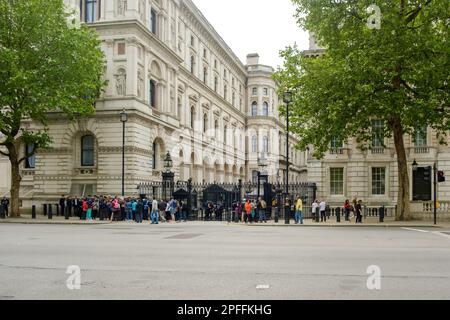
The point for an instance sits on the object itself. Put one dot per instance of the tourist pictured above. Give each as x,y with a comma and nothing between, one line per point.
248,211
85,209
5,205
358,211
262,207
155,212
322,208
162,210
314,212
347,208
298,211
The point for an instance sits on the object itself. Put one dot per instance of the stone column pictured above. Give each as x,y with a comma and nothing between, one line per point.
131,66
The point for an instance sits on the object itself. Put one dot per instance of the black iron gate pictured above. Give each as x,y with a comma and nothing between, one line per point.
198,195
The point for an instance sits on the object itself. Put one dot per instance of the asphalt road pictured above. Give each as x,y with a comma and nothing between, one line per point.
220,261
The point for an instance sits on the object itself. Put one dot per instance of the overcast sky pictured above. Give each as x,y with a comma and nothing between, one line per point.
255,26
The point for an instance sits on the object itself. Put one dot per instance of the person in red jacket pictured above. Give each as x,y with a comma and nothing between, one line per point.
85,208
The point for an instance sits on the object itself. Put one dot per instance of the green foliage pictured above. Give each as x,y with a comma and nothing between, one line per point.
397,72
46,65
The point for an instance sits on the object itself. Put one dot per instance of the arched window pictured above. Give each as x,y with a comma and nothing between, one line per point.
87,151
192,64
254,109
265,109
265,144
255,144
152,94
205,123
192,117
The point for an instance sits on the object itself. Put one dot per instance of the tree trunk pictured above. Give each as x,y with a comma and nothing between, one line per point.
15,180
403,208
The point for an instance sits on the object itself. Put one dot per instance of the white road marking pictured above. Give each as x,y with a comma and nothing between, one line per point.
418,230
441,234
262,286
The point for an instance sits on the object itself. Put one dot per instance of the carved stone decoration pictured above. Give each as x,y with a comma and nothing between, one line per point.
121,7
121,80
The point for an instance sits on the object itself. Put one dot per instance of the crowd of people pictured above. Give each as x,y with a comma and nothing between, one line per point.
123,209
351,210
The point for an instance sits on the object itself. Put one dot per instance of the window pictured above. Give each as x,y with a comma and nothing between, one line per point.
192,64
378,181
265,109
121,48
266,91
152,94
192,117
232,82
254,109
225,134
225,74
255,91
233,99
255,144
216,127
192,41
205,123
204,53
215,64
205,75
420,137
337,181
225,89
216,83
255,176
377,133
91,11
30,162
87,151
336,143
265,144
155,155
153,21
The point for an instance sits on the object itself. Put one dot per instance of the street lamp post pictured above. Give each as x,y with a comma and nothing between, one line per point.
123,119
168,175
262,164
287,99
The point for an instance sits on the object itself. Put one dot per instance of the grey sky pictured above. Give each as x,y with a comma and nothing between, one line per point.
249,26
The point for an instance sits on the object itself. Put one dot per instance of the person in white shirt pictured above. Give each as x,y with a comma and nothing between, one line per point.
322,208
155,212
314,207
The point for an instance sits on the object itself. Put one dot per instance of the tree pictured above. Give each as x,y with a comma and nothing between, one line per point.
47,64
393,67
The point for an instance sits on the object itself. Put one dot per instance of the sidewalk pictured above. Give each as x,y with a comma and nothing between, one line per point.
368,222
40,219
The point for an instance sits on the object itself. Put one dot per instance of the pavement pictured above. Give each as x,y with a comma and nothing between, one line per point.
368,222
204,260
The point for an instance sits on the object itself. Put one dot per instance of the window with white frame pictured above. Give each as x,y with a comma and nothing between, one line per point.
420,137
379,181
336,181
255,91
254,109
377,133
254,144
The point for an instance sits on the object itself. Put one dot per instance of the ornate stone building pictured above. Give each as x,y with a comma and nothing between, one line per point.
185,92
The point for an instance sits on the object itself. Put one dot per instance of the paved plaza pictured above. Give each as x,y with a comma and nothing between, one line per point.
220,261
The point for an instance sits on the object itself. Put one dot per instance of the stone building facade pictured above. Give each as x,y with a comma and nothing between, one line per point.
185,92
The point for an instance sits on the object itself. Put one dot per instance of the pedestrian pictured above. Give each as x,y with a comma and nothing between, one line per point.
155,212
95,208
358,210
183,208
62,204
5,205
347,208
85,209
146,204
262,207
209,211
115,208
287,209
77,206
314,207
139,211
248,211
128,209
162,210
69,205
298,211
253,212
133,209
322,208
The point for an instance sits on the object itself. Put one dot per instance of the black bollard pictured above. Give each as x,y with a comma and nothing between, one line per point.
50,211
317,214
2,213
33,212
57,209
338,214
66,213
45,209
